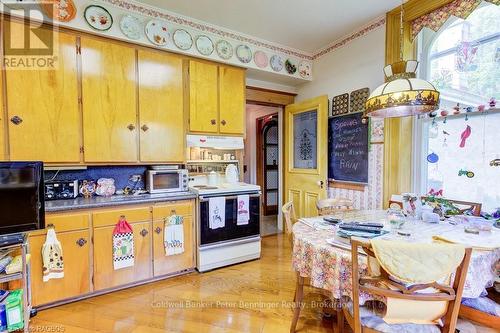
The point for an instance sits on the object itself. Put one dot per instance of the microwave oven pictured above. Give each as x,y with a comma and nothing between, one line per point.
166,180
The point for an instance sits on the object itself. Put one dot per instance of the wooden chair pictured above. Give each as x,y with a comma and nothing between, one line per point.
374,286
333,205
396,201
290,218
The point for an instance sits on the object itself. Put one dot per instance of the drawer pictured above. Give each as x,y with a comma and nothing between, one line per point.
110,217
67,221
183,208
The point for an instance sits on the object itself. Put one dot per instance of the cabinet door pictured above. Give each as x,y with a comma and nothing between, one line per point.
76,281
105,276
45,124
2,124
109,101
161,107
203,97
231,100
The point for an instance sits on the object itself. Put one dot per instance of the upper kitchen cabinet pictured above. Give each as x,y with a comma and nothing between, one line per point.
45,124
109,100
231,100
3,133
203,97
161,107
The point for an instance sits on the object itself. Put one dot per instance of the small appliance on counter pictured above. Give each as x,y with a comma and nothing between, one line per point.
166,178
61,190
232,175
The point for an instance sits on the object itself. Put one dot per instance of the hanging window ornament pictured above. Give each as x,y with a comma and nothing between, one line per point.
493,102
445,139
432,158
465,135
433,129
456,109
481,108
465,57
465,172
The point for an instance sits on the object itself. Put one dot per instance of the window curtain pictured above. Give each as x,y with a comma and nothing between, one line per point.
435,19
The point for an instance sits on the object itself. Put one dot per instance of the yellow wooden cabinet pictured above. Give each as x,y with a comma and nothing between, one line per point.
231,100
3,132
43,114
109,101
203,97
161,107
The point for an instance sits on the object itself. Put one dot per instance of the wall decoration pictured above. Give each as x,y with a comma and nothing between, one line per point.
182,39
358,99
204,45
340,104
305,69
224,49
157,32
465,57
290,66
432,158
276,63
131,27
465,135
59,10
260,58
244,53
98,17
377,130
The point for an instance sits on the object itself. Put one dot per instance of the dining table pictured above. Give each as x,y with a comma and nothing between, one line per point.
323,258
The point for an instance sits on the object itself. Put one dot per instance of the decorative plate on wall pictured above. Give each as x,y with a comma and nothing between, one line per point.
131,26
290,66
276,63
59,10
305,69
204,45
182,39
244,54
260,58
340,104
224,49
358,99
157,32
98,17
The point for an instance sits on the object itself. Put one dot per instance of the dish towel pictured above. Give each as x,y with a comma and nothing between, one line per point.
243,209
173,235
123,245
217,212
52,257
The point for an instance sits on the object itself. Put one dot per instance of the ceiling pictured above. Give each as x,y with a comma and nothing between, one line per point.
305,25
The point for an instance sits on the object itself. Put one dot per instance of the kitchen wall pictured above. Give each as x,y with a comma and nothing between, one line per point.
354,65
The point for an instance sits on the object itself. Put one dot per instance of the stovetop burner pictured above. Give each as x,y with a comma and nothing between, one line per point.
205,187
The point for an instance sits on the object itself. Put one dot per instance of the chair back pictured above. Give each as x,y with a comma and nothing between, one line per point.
396,201
289,215
332,205
383,286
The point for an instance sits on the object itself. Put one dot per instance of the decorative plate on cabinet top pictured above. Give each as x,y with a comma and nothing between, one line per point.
260,58
276,63
204,45
224,49
131,26
59,10
244,54
98,17
157,32
305,69
182,39
290,66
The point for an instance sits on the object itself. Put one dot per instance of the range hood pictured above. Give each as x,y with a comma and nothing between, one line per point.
215,142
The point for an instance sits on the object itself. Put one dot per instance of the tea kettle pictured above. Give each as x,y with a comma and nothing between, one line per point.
232,175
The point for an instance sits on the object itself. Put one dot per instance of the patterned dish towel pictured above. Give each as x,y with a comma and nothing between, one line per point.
173,235
217,212
123,245
52,257
243,209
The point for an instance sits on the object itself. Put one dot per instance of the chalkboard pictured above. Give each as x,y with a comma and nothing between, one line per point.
348,148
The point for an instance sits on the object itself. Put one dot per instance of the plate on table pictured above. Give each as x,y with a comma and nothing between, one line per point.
305,69
59,10
157,32
290,66
204,45
182,39
224,49
260,58
98,17
276,63
244,54
131,26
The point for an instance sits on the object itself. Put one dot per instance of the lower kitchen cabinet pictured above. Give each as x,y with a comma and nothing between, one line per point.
105,276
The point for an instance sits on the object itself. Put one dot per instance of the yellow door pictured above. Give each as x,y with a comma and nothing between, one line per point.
45,124
161,108
109,101
203,97
305,160
3,132
231,100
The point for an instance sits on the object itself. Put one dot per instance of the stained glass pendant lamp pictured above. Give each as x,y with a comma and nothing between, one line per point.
402,94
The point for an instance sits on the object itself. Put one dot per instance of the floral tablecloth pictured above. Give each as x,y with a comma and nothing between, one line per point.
329,267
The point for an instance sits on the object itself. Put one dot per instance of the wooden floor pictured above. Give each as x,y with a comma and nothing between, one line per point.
250,297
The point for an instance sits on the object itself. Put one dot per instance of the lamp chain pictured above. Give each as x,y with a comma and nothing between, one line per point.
401,31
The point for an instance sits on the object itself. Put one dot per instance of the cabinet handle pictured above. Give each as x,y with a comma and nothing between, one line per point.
158,230
173,212
144,232
144,128
81,242
223,122
16,120
213,122
131,127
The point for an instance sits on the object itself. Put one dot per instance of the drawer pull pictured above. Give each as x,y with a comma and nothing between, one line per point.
173,212
16,120
213,122
81,242
223,122
144,128
158,230
131,127
144,232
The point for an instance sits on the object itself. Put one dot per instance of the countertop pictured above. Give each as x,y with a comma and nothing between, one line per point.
115,200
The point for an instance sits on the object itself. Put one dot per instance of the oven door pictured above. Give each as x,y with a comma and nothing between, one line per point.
231,229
